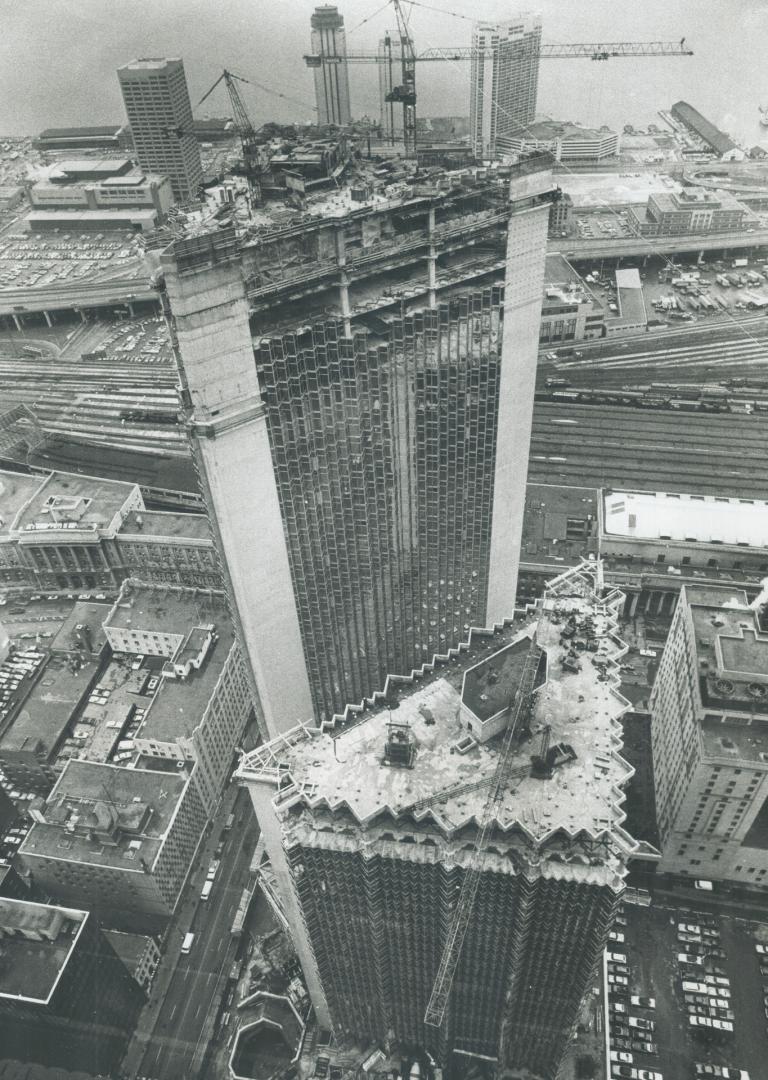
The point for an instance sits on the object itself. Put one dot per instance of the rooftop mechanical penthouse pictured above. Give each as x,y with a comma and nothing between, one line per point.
450,860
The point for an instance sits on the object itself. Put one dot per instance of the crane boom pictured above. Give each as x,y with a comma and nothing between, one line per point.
458,930
574,51
245,128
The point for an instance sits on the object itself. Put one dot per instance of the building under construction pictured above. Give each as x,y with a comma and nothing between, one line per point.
365,480
450,862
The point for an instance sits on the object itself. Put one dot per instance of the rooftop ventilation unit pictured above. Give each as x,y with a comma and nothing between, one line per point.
724,687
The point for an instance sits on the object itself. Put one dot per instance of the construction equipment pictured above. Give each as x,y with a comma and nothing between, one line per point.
245,129
519,708
406,92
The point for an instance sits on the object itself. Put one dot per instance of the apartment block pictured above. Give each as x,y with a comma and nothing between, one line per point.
408,446
158,108
709,709
118,841
373,830
504,81
66,1001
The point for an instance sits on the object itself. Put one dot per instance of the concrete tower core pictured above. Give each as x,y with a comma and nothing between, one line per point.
331,79
371,827
366,491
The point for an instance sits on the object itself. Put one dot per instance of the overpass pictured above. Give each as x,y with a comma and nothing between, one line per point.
16,303
622,246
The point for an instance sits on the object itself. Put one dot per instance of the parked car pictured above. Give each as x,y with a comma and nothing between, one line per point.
643,1002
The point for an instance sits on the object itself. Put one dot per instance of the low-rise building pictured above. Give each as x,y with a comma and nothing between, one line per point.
709,732
110,184
692,210
201,704
565,141
569,311
561,215
630,315
68,531
99,137
118,841
66,1001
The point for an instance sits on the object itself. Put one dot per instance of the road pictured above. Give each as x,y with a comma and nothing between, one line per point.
192,991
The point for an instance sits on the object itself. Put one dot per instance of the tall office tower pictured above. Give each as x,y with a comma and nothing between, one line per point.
367,500
372,831
709,731
390,75
504,80
159,112
331,77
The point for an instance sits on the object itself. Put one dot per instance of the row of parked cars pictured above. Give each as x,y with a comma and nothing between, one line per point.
630,1027
706,988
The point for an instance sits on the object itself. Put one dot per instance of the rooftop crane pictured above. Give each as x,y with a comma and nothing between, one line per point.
406,92
244,127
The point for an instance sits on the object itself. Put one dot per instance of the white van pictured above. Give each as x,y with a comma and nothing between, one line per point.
206,890
186,946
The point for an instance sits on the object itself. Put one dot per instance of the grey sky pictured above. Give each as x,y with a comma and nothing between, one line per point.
58,57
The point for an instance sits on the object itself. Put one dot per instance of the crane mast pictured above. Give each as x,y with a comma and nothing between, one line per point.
245,129
519,708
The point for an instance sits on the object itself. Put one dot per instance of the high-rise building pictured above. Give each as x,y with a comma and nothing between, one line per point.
66,1000
709,710
504,80
331,76
373,828
160,114
367,497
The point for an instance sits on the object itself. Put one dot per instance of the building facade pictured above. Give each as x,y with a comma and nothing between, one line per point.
160,114
331,77
709,731
372,832
692,210
66,1001
504,81
408,456
121,841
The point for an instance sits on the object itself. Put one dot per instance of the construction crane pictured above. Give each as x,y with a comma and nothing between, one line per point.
519,709
245,129
406,92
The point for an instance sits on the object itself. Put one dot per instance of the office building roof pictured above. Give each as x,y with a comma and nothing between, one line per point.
36,943
84,615
140,525
45,713
107,816
703,519
149,63
16,490
70,501
345,769
164,610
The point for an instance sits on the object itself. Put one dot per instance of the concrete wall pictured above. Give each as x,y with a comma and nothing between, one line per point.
209,324
523,293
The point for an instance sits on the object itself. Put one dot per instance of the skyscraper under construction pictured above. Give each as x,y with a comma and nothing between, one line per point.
366,489
449,865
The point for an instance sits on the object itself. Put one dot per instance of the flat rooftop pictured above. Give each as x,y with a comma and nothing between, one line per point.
701,519
731,649
629,290
582,708
84,793
94,502
161,523
16,490
178,705
89,615
165,611
45,713
36,942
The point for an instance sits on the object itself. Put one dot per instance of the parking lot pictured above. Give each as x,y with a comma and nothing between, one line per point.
37,259
685,990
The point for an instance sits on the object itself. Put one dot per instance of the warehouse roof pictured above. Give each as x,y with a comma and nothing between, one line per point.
702,519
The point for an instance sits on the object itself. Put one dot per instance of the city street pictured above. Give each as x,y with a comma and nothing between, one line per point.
199,978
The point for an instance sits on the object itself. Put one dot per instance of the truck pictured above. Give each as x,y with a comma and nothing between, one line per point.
206,890
186,945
